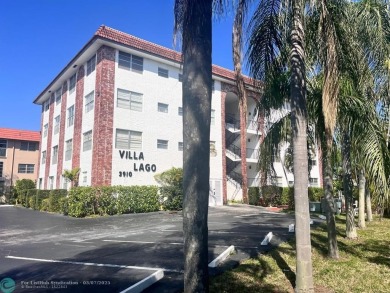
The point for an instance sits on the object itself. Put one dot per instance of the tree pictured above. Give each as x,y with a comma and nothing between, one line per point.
24,184
362,186
274,23
72,176
194,20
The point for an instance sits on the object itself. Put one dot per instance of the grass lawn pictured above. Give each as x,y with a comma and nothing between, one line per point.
364,264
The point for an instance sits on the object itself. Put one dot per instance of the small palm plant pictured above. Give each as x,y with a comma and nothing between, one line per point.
72,176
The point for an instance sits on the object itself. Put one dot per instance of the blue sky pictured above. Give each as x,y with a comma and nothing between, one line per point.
39,37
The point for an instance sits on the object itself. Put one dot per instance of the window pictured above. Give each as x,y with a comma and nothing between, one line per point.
213,150
51,182
26,168
57,124
58,96
162,108
212,118
180,111
28,146
85,177
277,180
213,86
68,149
162,144
91,65
130,62
47,104
2,184
180,146
163,72
3,147
43,157
87,141
40,183
45,128
313,162
1,169
129,100
54,158
70,115
65,183
180,77
128,139
313,181
89,102
72,83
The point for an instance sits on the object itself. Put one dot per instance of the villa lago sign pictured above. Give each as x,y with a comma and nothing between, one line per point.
138,166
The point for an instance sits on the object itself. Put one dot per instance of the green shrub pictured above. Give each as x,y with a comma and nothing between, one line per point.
81,202
45,206
63,203
137,199
106,201
271,195
254,196
39,196
54,199
31,202
171,189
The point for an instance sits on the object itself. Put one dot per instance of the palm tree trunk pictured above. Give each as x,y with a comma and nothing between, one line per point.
348,185
242,96
304,274
197,83
362,185
368,203
333,251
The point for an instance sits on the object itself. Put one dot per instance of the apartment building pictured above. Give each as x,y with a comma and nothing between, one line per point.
19,156
115,112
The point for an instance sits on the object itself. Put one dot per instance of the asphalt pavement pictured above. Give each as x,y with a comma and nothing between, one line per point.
45,252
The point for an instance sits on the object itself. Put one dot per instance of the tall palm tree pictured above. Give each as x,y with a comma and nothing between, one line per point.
266,49
194,20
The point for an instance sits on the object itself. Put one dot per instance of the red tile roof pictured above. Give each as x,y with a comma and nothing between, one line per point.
15,134
137,43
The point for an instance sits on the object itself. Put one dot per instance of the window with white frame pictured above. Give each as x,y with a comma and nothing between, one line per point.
57,124
72,83
43,161
162,144
161,107
54,158
313,162
47,105
180,111
212,118
3,147
70,116
68,149
128,139
91,63
58,96
313,181
89,101
40,183
45,129
163,72
130,62
87,141
129,100
28,146
85,177
180,146
65,183
26,168
51,182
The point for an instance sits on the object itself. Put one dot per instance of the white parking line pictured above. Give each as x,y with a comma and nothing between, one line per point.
144,242
92,264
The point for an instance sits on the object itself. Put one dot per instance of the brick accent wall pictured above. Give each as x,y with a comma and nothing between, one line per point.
104,115
62,134
78,118
49,138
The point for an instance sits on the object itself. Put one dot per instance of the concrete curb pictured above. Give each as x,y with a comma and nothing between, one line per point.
221,257
145,283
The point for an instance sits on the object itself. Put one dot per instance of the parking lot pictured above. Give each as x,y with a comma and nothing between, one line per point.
44,252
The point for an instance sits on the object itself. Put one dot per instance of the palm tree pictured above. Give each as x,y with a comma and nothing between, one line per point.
266,50
194,20
72,176
242,95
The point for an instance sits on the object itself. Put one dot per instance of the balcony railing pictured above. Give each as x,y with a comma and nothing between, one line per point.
234,123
